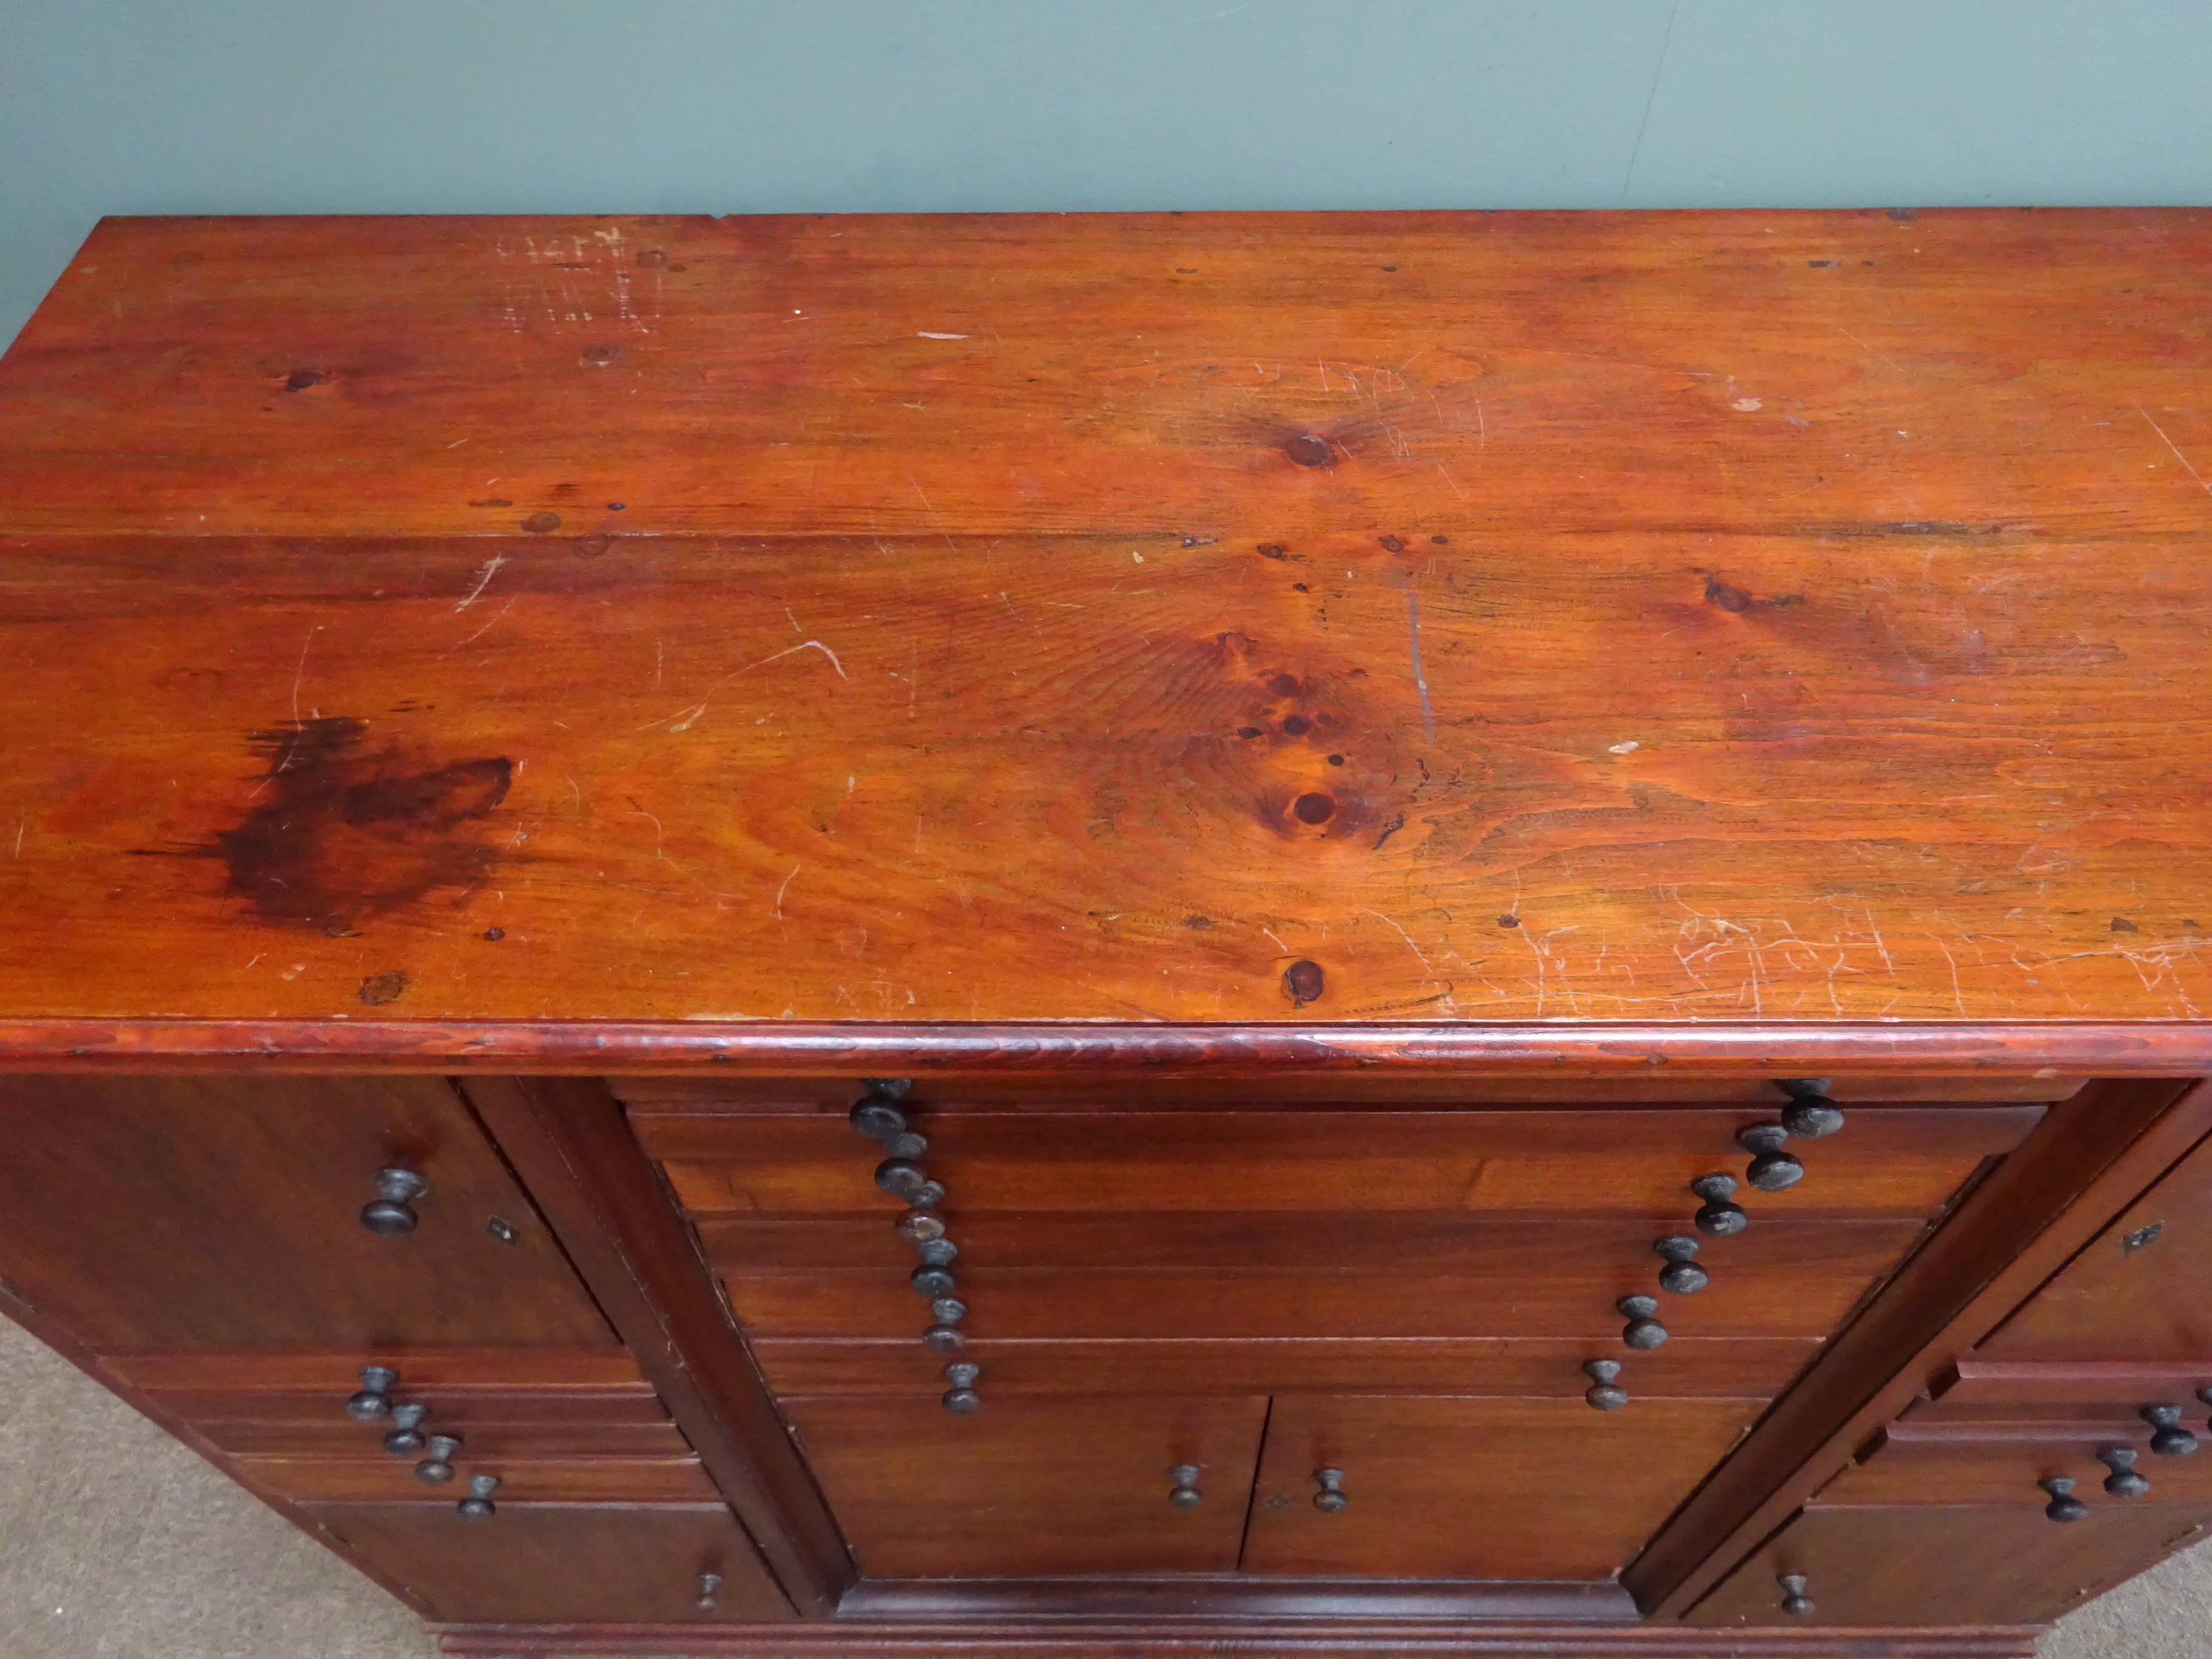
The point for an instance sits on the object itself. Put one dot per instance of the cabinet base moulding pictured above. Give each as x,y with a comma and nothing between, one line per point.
1049,1638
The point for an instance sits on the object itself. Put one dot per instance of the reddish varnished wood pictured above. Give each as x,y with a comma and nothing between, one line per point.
1718,617
2106,1392
1199,1636
1999,1464
2089,1158
1744,1368
1900,1162
220,1214
1469,1488
1780,1048
367,1475
1027,1486
1947,1565
607,1563
567,1138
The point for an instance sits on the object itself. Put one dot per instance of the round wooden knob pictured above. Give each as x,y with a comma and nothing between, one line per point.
1185,1494
1603,1394
391,1212
1772,1169
1681,1276
1719,1218
1641,1330
2123,1481
1330,1498
374,1399
2168,1437
2063,1505
1794,1602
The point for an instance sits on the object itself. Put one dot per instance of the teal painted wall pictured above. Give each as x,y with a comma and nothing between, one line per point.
681,106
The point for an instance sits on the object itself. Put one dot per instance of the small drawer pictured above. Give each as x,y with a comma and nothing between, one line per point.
2005,1465
470,1387
1034,1487
2105,1393
371,1477
1533,1367
1891,1162
560,1564
1406,1277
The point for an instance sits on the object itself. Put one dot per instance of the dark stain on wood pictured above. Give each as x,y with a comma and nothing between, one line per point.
336,835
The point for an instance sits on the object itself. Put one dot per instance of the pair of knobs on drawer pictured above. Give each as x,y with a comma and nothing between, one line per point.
1185,1494
2168,1438
2124,1481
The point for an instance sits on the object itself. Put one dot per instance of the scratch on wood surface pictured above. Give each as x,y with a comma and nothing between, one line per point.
804,645
483,580
2176,448
1420,681
780,891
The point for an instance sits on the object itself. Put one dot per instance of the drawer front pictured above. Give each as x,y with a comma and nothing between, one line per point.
1462,1488
2106,1394
1998,1465
1777,1280
560,1564
222,1213
1034,1487
1936,1565
1538,1367
369,1477
1887,1162
2134,1291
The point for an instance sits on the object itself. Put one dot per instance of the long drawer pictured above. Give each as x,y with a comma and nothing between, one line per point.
2006,1465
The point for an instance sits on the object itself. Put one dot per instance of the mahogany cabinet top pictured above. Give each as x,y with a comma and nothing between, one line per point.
420,629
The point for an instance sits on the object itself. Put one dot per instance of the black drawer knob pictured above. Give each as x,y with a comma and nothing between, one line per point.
710,1591
2124,1481
1643,1331
2063,1505
2168,1438
391,1212
1330,1498
932,1281
944,1339
1681,1276
1719,1218
477,1506
1603,1394
1184,1494
373,1400
1810,1114
962,1397
1772,1169
1794,1602
437,1469
920,1227
406,1437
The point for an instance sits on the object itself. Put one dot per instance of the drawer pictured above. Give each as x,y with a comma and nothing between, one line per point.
1890,1162
1426,1482
2135,1291
1458,1278
1690,1367
470,1388
223,1214
1033,1487
2003,1465
1944,1566
370,1476
2108,1393
560,1564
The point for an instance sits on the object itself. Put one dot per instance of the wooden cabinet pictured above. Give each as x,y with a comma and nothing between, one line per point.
1504,855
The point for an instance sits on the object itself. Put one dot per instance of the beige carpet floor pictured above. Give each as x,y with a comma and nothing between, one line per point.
117,1543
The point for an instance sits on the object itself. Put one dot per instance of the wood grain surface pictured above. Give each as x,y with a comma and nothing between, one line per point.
1408,617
